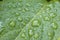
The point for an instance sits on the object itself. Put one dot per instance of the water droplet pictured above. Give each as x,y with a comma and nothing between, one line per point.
30,32
9,6
53,15
40,16
28,4
12,23
23,10
35,23
36,35
40,4
18,4
51,35
26,9
20,19
54,25
46,18
23,35
17,14
58,38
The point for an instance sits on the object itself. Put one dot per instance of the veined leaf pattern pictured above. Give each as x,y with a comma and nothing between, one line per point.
29,20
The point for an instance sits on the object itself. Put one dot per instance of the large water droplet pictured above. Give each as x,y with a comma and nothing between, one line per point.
35,23
54,25
53,15
51,35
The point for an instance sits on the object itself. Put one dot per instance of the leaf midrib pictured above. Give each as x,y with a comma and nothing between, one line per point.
32,19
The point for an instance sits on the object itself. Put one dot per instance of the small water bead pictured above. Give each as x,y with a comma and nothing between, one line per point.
24,23
40,4
40,16
35,23
23,35
28,4
17,14
30,32
48,10
36,36
19,5
47,18
20,19
26,9
12,23
9,6
49,34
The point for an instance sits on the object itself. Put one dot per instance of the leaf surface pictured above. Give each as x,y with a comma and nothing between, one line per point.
29,20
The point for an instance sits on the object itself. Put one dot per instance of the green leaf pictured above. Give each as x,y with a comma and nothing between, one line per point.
30,20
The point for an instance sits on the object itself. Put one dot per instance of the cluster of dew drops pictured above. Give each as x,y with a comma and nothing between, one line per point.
36,23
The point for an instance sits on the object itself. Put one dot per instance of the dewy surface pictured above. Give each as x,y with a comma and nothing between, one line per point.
30,20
